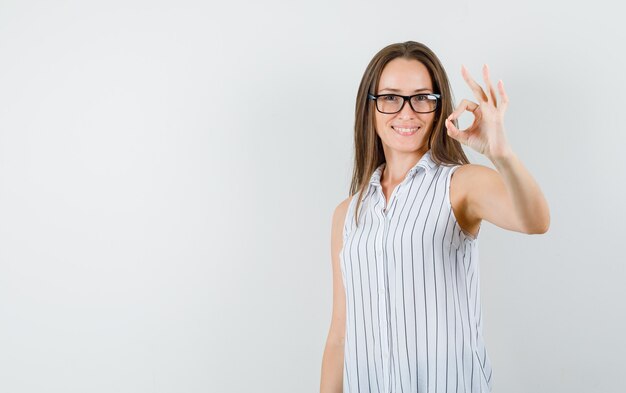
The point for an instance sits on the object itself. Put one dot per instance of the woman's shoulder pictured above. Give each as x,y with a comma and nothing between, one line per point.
471,178
342,209
461,182
467,182
470,174
338,221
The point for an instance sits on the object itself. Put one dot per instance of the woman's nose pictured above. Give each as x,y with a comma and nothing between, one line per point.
406,110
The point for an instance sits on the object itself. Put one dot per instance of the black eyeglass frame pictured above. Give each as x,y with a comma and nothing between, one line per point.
405,99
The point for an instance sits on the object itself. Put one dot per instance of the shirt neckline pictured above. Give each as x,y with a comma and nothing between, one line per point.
426,162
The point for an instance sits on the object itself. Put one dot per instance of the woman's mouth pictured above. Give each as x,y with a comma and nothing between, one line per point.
405,131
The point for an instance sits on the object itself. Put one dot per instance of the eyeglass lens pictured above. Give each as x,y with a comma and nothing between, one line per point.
392,103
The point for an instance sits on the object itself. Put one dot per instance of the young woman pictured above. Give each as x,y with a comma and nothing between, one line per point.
406,289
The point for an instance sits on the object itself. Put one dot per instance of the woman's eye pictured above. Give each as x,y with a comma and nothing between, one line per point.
390,98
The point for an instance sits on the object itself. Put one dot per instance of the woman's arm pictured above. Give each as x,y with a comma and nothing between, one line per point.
332,362
509,197
332,368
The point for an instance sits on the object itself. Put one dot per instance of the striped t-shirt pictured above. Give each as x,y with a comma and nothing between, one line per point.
411,274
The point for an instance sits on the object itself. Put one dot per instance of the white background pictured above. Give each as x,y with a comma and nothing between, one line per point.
169,170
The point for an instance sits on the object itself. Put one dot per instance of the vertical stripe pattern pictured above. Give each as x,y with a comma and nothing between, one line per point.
411,274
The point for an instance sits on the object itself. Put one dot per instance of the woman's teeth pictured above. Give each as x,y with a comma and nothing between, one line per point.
405,131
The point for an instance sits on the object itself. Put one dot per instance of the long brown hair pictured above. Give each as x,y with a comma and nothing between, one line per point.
368,147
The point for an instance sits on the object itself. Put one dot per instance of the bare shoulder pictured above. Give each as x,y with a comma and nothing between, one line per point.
341,210
473,178
339,217
469,173
465,182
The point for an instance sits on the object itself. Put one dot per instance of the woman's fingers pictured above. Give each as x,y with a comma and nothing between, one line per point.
491,91
504,103
483,135
490,96
476,89
465,105
455,133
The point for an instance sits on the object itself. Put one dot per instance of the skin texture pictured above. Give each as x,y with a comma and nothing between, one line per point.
508,197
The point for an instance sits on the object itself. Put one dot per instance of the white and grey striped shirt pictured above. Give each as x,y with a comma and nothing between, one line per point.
411,274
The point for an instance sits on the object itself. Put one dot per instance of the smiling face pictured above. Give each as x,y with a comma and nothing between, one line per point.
406,131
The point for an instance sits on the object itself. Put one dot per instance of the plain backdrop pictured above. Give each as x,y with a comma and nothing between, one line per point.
169,170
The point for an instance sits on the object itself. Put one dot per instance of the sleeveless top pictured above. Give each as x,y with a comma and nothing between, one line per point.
411,276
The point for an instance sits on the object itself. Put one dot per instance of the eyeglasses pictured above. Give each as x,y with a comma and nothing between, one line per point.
393,103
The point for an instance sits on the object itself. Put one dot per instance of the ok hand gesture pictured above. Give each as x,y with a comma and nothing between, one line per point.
486,134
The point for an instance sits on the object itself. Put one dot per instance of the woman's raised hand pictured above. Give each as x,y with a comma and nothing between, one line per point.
486,134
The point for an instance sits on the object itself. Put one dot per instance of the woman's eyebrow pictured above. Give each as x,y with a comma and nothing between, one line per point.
397,90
